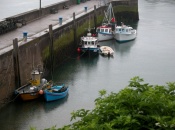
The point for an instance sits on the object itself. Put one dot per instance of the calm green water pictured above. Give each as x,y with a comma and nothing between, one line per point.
150,56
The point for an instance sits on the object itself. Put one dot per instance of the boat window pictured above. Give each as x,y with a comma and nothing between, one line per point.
126,30
89,43
98,30
119,29
110,30
106,30
123,30
102,30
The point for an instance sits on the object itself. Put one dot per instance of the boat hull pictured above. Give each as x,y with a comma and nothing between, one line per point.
52,96
30,92
105,36
124,37
29,96
106,51
94,50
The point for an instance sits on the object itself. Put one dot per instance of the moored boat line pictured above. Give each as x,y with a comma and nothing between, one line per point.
110,30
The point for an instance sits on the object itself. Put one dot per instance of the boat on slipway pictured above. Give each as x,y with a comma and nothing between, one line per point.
106,51
33,89
107,29
124,33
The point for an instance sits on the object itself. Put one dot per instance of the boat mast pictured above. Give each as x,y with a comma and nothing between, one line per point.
109,14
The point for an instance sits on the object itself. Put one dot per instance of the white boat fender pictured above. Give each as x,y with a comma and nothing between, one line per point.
43,81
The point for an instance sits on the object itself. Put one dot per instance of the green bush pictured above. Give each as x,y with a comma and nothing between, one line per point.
138,106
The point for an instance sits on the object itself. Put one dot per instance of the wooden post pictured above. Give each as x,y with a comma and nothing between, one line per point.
51,50
75,29
16,63
95,18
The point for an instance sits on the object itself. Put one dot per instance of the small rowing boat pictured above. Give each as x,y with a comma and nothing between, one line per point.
106,51
55,92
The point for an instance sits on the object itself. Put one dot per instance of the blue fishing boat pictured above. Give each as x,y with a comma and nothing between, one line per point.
55,92
88,43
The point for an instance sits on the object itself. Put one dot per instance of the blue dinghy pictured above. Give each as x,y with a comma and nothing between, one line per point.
55,93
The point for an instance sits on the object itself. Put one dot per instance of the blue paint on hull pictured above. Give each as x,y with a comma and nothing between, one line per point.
89,49
49,95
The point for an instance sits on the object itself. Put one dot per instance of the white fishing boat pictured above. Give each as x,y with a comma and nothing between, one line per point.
88,43
106,51
124,33
106,30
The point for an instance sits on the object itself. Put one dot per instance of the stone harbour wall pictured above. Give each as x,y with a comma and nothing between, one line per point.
36,52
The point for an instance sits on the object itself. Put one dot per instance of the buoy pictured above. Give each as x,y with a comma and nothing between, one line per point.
41,92
78,49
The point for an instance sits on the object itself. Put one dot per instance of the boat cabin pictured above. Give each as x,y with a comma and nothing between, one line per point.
36,77
104,29
124,29
89,42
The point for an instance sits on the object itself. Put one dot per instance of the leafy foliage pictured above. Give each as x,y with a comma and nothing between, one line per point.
138,106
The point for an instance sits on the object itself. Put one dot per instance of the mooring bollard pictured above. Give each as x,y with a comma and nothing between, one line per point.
85,8
25,36
60,20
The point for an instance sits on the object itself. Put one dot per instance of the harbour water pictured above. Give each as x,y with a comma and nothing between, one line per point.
150,56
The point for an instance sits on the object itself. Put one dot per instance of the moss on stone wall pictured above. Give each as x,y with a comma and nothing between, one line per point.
64,45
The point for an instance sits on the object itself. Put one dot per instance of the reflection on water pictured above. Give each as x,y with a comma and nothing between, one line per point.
70,68
18,113
50,106
121,49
